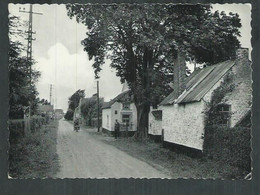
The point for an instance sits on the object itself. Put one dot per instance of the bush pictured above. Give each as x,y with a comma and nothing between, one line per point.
229,145
17,127
34,155
69,115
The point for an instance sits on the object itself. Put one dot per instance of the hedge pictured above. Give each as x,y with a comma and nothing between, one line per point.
229,145
17,127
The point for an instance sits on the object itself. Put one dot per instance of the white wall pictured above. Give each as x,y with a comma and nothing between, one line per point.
115,107
113,116
106,122
184,124
155,126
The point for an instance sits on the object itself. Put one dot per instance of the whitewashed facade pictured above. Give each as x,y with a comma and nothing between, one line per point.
183,119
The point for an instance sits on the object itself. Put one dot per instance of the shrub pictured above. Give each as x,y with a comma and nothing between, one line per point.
17,127
34,155
69,115
229,145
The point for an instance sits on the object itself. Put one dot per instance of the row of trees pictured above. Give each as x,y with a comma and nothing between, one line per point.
22,90
88,107
74,103
143,40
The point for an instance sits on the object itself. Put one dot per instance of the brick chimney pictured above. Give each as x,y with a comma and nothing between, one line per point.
179,75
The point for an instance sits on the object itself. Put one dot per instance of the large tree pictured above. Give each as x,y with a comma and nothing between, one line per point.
73,103
89,109
22,92
143,40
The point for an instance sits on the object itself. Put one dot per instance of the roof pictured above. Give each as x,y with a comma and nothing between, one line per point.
199,83
119,97
59,110
45,108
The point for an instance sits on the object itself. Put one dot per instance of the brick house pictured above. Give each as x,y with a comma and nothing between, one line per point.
120,108
183,111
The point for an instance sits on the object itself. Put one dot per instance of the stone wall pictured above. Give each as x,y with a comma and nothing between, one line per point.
183,124
240,98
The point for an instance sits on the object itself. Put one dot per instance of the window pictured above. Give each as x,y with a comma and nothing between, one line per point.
157,115
115,111
126,106
107,120
223,114
126,118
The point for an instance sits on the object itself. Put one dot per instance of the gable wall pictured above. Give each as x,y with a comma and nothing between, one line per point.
240,98
106,119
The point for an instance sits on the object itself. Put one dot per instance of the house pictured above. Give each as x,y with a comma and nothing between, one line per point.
45,110
184,110
120,108
58,113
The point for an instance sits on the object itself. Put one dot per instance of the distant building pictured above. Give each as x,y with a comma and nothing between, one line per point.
121,108
45,109
58,113
182,119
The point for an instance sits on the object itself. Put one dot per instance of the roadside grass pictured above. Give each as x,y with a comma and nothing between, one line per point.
176,165
35,155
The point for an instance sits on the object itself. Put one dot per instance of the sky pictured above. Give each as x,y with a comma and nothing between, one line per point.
62,62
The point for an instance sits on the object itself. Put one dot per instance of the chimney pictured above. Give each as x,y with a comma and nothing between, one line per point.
179,75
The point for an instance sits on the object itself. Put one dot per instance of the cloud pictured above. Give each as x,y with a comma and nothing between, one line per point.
70,72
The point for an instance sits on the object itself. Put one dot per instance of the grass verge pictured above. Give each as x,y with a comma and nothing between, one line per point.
174,164
35,155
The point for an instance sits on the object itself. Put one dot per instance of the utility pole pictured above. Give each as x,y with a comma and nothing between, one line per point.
50,93
98,104
29,51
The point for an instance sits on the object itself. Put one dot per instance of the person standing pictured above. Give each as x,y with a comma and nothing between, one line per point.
117,129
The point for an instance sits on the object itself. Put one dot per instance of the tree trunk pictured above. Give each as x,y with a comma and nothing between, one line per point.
142,121
143,102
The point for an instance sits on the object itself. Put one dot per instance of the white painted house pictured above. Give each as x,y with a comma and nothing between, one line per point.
120,108
183,111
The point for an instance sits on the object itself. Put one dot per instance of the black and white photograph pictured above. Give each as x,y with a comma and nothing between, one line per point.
130,91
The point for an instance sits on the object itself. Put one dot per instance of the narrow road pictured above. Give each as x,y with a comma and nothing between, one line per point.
81,155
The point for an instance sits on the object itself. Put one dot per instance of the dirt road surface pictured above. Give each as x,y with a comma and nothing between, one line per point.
82,155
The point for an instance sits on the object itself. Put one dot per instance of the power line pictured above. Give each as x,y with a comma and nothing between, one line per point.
29,48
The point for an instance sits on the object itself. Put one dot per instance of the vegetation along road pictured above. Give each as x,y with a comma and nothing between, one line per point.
82,155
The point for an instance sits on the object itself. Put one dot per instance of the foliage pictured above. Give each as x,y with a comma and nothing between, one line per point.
142,42
89,109
21,93
69,115
17,127
229,145
226,86
75,98
44,102
34,155
224,144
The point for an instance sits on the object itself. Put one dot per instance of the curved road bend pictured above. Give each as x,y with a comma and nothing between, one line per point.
81,155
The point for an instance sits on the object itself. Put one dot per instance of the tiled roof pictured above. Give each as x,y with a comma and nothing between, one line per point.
116,99
199,83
